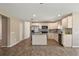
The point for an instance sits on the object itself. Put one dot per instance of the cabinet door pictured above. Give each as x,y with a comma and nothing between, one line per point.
51,36
39,39
69,21
65,23
67,40
53,25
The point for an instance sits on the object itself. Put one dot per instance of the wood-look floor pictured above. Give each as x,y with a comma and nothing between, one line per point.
25,48
0,43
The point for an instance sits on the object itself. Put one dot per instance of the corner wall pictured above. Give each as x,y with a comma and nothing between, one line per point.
75,29
26,30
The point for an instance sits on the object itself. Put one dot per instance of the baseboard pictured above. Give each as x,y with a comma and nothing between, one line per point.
3,46
16,43
75,46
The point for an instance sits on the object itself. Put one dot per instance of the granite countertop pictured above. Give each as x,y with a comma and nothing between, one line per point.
39,33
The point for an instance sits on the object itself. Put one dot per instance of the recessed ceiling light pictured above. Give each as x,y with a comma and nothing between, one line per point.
34,15
59,15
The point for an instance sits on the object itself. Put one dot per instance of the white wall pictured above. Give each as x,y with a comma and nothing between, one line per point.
4,12
16,31
26,30
76,29
0,28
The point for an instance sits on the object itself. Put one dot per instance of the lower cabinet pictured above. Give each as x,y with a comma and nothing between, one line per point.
39,39
53,36
67,40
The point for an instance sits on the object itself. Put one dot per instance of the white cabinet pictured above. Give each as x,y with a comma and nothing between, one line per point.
52,25
67,40
39,39
69,21
64,23
53,36
56,37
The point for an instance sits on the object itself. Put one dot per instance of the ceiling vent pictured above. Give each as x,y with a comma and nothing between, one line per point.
41,3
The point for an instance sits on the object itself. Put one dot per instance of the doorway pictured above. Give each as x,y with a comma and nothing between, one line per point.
3,30
0,31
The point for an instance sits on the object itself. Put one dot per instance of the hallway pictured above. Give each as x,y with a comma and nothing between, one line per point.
25,48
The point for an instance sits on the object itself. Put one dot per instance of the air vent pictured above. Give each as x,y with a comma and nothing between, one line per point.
41,3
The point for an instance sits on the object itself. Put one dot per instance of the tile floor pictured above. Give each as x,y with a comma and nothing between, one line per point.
25,48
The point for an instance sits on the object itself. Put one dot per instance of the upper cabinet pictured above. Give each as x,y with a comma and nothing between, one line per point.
53,25
67,22
59,25
64,23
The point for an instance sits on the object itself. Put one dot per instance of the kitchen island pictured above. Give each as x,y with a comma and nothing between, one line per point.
39,39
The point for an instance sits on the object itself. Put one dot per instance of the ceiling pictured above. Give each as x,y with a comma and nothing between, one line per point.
39,11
